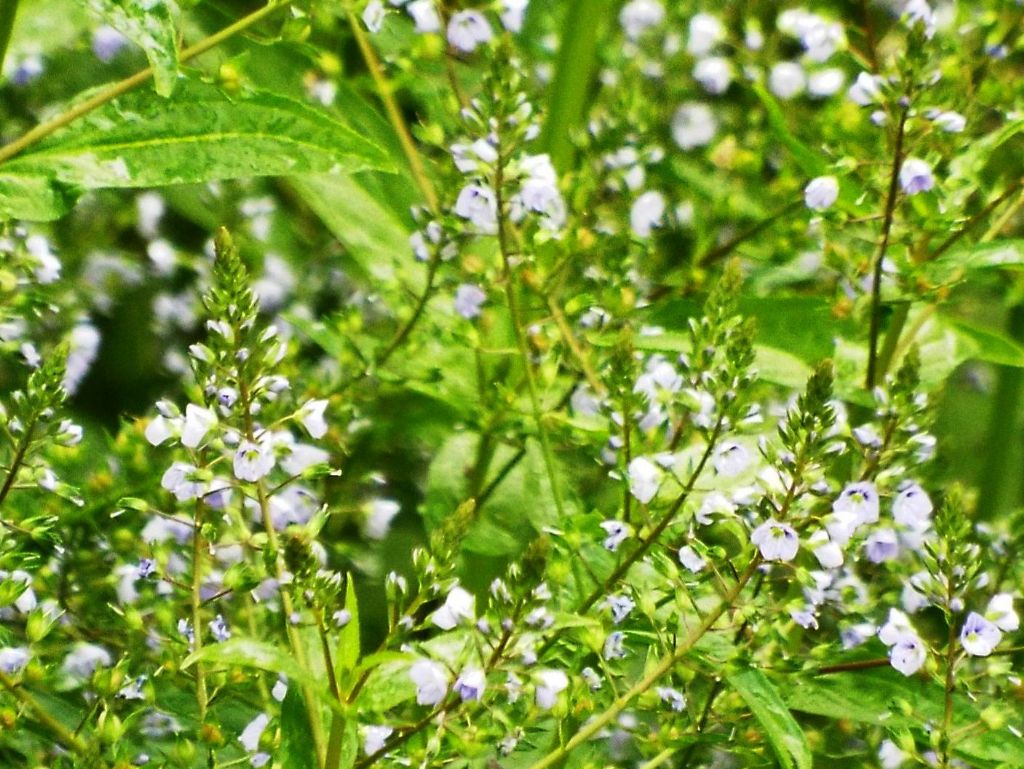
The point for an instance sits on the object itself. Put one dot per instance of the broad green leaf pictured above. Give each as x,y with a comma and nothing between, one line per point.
575,69
872,697
296,738
348,638
43,26
785,735
521,506
983,344
150,25
387,686
959,261
247,653
32,198
374,233
199,135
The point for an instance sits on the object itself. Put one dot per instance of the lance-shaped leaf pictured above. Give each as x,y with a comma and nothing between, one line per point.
150,25
199,135
787,739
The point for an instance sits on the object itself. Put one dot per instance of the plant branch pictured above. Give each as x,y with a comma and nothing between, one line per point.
43,130
202,697
883,247
64,735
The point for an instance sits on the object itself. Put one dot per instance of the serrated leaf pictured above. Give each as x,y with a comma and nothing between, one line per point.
959,261
787,739
150,25
199,135
33,198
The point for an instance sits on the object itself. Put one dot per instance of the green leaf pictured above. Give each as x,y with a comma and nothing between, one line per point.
247,653
956,263
296,738
810,162
150,25
785,735
33,198
199,135
348,638
374,233
983,344
871,697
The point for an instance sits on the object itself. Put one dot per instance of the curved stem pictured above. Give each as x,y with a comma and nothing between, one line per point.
110,93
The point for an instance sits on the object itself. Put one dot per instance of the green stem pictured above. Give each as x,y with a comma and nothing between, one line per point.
600,721
883,247
19,457
64,735
892,337
524,350
386,93
202,697
110,93
8,12
337,733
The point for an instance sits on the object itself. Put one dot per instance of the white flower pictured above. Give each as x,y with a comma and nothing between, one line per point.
250,736
705,33
83,660
470,684
675,699
919,12
379,514
776,541
913,508
550,683
908,654
617,533
373,16
1001,612
459,605
107,42
898,624
620,606
478,204
196,425
180,480
253,460
979,636
301,456
688,558
512,13
825,82
890,756
787,80
431,681
14,658
731,459
312,417
637,16
916,176
950,122
714,74
613,646
280,690
828,553
821,193
865,89
714,503
646,213
539,196
468,300
474,158
859,500
424,16
375,737
693,125
467,30
882,546
644,479
38,248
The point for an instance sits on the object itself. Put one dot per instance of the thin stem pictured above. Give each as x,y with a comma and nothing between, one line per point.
19,457
646,543
950,688
883,247
599,722
8,12
892,337
386,93
337,733
979,217
110,93
575,347
202,697
517,327
64,735
845,667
